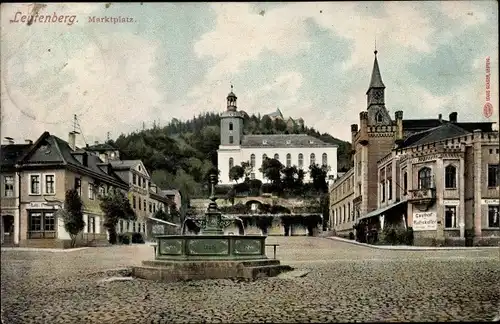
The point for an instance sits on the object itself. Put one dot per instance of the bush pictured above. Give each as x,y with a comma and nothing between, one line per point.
123,239
137,238
240,188
267,188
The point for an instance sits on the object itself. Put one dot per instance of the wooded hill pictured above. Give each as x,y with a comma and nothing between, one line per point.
182,154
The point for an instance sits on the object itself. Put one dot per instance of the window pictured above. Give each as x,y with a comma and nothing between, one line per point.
424,178
301,160
348,211
359,168
450,177
378,117
144,204
133,227
288,160
312,159
8,182
288,142
78,185
324,159
140,203
120,226
405,182
231,163
230,126
450,216
493,175
34,184
150,207
231,139
101,190
90,224
382,191
264,157
139,181
252,160
49,184
154,208
277,156
133,202
91,191
41,225
264,142
493,218
134,178
389,189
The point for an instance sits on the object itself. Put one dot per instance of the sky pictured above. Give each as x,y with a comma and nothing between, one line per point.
177,60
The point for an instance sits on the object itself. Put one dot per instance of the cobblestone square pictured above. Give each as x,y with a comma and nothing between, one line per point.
346,283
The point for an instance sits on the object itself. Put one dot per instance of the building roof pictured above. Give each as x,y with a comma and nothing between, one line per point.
276,113
376,80
11,153
283,140
124,164
421,124
102,147
170,192
50,150
444,131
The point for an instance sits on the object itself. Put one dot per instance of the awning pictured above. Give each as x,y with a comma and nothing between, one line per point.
381,210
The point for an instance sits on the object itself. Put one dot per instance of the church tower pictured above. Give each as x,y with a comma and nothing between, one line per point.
231,123
377,113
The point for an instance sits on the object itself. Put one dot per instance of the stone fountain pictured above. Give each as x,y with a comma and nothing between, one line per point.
211,254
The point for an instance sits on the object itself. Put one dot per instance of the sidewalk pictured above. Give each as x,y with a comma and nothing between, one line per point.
411,248
21,249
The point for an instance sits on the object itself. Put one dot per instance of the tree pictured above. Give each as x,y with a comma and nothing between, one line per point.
115,206
318,175
271,168
247,169
280,125
266,125
161,214
236,173
72,215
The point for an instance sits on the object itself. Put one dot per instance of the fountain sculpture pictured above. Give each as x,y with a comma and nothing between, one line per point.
210,254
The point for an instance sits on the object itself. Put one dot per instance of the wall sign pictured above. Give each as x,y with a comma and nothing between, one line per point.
424,221
41,205
490,201
451,202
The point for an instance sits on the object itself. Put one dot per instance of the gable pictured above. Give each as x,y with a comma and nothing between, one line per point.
45,151
381,112
139,167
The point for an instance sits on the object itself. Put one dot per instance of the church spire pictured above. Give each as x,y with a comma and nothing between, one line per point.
231,100
376,80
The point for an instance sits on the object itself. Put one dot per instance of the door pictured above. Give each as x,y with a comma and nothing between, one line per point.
7,230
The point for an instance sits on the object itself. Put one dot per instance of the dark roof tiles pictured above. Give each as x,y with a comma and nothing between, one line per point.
283,140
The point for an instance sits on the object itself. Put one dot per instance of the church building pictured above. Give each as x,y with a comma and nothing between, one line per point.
300,150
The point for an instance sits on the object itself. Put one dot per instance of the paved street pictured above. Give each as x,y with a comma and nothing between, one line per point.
346,283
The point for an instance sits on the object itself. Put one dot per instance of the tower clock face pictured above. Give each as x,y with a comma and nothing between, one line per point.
377,94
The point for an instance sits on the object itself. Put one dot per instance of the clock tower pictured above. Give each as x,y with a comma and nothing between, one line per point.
377,114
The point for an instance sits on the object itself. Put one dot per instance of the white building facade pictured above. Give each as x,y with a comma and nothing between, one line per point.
298,150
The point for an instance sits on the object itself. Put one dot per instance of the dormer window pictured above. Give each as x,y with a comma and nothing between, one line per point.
288,141
264,142
378,117
311,142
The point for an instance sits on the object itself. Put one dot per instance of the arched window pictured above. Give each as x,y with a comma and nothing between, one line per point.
450,177
252,160
288,160
379,118
301,160
231,163
230,126
405,182
324,159
264,157
424,178
312,159
277,156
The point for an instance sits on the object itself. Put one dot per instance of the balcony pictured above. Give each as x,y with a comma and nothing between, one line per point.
424,197
357,200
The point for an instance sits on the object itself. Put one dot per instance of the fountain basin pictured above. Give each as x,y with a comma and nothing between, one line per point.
210,247
198,257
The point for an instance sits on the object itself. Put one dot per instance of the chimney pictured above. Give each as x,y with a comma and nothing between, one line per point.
85,159
354,131
399,125
440,117
28,141
453,117
72,140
